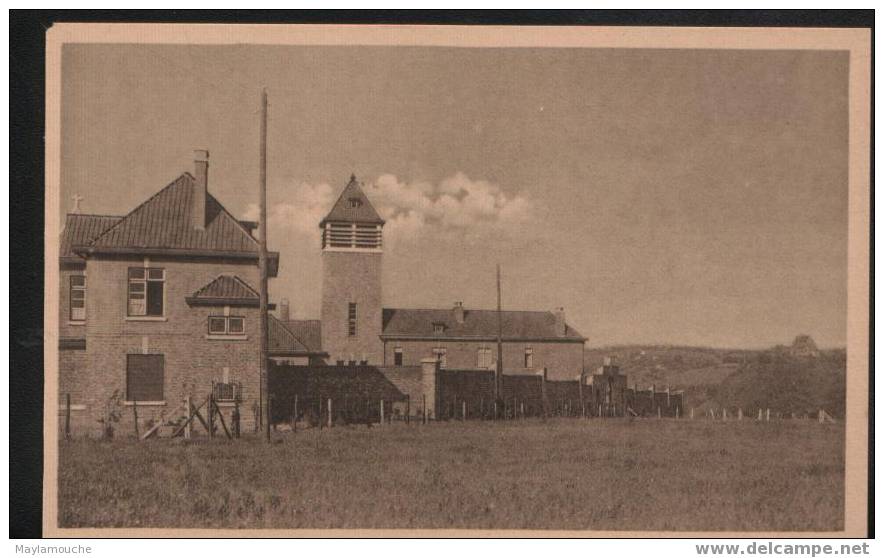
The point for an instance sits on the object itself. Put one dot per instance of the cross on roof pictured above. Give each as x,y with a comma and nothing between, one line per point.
77,198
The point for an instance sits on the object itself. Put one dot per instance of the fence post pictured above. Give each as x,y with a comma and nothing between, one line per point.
189,412
463,415
211,416
235,418
740,413
692,413
135,418
495,409
382,412
67,416
767,415
330,412
408,409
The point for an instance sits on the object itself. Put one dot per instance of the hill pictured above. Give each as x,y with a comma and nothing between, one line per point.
749,379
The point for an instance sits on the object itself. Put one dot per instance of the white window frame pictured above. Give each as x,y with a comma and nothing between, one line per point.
80,289
227,333
145,280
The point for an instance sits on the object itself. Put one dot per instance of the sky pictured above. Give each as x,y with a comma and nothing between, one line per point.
691,197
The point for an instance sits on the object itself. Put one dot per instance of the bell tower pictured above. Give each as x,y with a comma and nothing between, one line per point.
352,247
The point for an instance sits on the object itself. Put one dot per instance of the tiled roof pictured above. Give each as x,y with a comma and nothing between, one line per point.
227,289
296,337
164,221
309,332
82,229
343,211
516,324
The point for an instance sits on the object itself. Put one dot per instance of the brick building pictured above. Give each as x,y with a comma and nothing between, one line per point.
356,328
157,305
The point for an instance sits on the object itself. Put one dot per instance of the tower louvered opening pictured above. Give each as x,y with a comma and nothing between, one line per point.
352,236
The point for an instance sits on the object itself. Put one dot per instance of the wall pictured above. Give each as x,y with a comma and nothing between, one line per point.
191,360
352,277
356,392
563,360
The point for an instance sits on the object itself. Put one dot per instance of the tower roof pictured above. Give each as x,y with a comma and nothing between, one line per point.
353,207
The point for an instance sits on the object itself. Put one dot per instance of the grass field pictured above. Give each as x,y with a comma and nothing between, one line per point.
559,474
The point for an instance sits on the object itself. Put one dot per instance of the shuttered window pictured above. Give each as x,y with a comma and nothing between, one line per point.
144,377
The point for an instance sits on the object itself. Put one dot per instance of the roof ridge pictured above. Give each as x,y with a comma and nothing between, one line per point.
69,214
142,204
235,220
468,309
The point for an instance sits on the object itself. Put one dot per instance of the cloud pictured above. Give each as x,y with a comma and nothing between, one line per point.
455,205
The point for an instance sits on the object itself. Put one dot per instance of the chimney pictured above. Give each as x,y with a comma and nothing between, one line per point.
284,309
560,322
200,187
458,312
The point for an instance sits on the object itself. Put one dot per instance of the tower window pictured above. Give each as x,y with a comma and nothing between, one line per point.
438,328
397,356
351,319
354,203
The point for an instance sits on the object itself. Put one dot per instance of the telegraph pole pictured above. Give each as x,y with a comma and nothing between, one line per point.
498,376
262,264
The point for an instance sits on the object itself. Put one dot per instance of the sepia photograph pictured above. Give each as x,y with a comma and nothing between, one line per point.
427,280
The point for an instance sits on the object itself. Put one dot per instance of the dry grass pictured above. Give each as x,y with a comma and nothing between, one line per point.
558,474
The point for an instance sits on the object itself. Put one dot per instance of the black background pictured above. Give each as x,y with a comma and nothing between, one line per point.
27,30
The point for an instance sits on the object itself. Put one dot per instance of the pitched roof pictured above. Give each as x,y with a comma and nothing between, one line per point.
163,221
295,337
82,229
343,210
515,324
225,289
308,332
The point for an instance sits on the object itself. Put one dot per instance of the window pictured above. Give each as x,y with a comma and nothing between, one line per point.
397,356
227,325
438,328
441,356
529,357
484,358
78,298
144,377
351,319
146,291
354,202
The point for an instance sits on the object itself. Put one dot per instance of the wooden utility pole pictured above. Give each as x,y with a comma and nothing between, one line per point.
498,376
262,264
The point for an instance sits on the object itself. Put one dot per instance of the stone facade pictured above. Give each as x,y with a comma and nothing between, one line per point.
563,360
352,277
192,360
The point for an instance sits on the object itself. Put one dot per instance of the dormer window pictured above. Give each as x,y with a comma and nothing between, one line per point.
354,203
438,328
